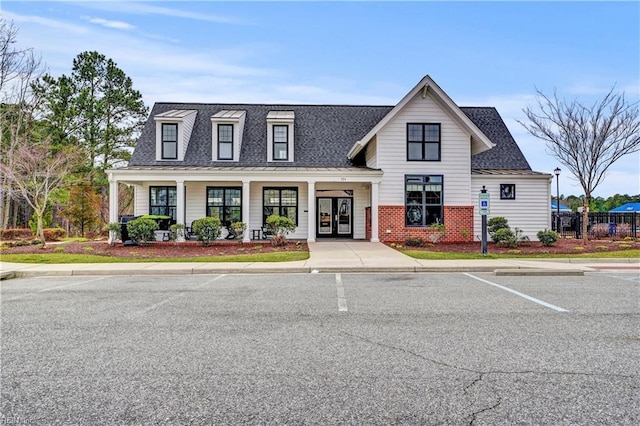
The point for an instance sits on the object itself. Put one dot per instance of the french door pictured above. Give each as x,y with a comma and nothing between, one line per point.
334,217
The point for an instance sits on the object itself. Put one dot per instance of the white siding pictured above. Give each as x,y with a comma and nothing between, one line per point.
530,209
371,153
187,127
455,164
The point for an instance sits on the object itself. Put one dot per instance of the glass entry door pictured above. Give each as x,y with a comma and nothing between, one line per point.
335,216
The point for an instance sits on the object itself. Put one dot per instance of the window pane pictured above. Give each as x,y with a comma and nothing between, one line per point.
225,151
232,214
169,150
160,211
173,196
169,132
415,151
215,197
432,151
432,133
233,197
434,215
271,197
280,151
214,211
289,212
414,215
432,197
280,133
415,132
225,132
288,197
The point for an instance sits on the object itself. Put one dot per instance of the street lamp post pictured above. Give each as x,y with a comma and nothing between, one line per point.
557,171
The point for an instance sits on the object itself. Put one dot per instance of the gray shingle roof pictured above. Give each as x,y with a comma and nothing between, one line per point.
506,154
323,135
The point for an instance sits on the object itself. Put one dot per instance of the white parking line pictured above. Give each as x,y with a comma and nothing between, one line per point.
56,288
517,293
342,301
182,293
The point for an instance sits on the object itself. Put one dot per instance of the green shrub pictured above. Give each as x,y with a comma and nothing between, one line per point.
505,237
176,232
141,230
115,227
59,250
207,229
280,227
495,224
547,237
239,229
414,242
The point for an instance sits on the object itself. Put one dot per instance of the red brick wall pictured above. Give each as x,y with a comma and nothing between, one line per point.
458,223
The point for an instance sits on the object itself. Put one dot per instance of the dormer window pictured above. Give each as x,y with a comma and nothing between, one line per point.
280,136
225,141
280,142
169,141
173,132
227,129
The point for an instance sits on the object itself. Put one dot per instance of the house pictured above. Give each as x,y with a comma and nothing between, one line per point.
381,173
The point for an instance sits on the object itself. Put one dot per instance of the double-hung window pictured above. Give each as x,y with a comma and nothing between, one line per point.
423,200
225,141
280,142
169,141
280,201
423,142
225,204
163,201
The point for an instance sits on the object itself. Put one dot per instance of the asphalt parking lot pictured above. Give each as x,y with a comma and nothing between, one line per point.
321,349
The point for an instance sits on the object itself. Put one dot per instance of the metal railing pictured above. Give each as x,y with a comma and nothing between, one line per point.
601,225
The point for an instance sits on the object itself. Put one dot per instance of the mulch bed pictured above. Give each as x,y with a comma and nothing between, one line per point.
562,246
160,249
196,249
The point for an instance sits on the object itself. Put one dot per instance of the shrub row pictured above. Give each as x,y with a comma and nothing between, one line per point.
50,234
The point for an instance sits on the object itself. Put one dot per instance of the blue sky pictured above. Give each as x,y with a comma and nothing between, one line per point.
480,53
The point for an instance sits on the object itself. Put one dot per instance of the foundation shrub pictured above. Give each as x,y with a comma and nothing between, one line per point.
547,237
414,242
142,230
207,229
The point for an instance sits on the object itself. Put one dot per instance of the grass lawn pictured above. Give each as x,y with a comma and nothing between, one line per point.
51,258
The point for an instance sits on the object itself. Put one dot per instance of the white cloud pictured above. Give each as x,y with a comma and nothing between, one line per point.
118,25
45,22
138,8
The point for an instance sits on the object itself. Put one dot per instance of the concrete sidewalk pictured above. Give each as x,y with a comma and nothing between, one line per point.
332,256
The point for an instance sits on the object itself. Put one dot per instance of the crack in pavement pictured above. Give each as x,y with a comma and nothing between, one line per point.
474,415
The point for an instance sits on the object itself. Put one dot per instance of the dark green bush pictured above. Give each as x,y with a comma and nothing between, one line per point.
495,224
115,227
207,229
141,230
280,227
414,242
504,237
547,237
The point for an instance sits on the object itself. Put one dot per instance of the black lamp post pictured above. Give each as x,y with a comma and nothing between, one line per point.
557,171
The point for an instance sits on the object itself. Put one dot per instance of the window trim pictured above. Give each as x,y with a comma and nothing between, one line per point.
163,141
167,206
424,142
280,189
504,195
224,200
225,142
424,205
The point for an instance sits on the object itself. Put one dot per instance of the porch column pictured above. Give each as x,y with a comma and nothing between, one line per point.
245,209
374,212
113,205
311,207
180,206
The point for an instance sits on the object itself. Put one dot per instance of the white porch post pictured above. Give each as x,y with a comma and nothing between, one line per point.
180,206
311,207
245,209
113,205
374,212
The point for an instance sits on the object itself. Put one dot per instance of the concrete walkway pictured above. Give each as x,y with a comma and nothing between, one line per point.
333,256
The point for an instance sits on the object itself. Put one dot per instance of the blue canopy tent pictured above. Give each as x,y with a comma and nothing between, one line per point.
627,208
563,209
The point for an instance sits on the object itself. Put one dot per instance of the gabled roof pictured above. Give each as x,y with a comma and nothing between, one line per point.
427,86
324,134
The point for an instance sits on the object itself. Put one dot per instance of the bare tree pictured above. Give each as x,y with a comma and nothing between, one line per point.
19,69
36,171
587,140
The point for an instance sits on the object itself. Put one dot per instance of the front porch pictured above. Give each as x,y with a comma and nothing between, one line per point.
322,202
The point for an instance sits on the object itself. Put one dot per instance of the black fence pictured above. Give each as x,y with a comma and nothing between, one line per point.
601,225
